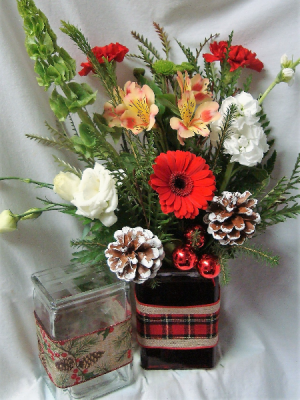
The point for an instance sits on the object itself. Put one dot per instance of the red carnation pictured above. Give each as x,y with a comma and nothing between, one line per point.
241,57
110,52
218,52
238,56
183,182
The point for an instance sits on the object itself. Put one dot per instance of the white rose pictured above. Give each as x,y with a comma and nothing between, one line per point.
8,222
97,197
65,185
247,146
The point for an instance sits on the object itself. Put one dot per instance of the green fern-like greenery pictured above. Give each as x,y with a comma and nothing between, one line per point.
224,273
66,167
191,58
258,254
279,203
204,43
164,38
146,44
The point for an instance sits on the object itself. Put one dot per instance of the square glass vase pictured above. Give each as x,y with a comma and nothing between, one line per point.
177,320
83,321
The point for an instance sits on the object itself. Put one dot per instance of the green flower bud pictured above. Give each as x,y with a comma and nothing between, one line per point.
8,221
137,72
164,67
185,66
35,214
285,62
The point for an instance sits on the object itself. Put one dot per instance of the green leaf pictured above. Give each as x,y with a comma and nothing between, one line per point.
32,48
87,134
163,100
116,134
101,124
41,69
89,375
33,25
259,174
128,160
58,105
54,75
47,47
69,62
151,84
270,164
83,95
105,333
80,147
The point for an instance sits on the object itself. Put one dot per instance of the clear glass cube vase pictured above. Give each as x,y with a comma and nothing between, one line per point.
83,321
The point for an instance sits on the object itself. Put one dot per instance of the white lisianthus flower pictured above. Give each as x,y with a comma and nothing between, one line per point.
97,197
8,222
247,146
65,185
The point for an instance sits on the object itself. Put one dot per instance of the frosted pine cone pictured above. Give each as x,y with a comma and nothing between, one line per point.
136,255
231,217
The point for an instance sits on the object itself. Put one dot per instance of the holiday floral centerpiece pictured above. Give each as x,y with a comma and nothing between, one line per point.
176,168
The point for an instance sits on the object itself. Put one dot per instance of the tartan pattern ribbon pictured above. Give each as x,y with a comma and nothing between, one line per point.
190,327
77,360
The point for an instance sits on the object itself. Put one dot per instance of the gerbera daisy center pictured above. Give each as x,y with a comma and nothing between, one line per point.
181,184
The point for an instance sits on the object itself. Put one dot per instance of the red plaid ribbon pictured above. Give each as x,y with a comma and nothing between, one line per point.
192,327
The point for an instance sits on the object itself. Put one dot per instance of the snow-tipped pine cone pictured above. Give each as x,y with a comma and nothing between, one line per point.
231,218
136,255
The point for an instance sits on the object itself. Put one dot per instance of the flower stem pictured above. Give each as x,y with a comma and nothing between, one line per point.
228,174
273,84
28,180
37,211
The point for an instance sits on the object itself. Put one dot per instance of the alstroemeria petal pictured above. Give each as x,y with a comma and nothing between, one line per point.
207,112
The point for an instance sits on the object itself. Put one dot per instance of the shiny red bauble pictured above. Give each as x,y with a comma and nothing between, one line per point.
208,266
195,236
184,258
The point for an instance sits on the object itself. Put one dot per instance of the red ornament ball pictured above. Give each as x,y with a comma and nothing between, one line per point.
208,266
184,258
195,236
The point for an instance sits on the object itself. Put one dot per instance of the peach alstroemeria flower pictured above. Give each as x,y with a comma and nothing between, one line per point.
140,108
197,85
191,123
113,114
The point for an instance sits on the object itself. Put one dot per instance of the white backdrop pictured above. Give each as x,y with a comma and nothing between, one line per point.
259,327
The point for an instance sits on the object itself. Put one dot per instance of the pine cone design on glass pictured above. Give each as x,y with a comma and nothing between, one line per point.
136,255
231,218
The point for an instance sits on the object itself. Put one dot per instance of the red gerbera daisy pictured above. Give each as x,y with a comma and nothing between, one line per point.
183,182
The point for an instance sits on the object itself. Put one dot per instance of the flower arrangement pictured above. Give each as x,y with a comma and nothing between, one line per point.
188,178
